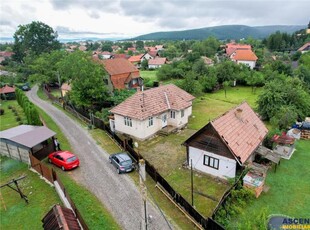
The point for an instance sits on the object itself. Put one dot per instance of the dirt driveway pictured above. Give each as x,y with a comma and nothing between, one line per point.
117,192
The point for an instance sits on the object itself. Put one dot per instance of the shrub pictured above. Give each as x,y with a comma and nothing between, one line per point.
18,119
10,107
1,112
20,123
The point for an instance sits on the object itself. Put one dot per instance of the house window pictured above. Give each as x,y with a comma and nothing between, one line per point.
151,123
172,114
182,113
128,121
211,162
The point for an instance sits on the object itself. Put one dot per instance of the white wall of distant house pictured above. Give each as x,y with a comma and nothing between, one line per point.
226,169
251,64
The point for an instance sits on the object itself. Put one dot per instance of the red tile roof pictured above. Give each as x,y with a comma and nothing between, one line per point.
121,71
241,130
124,56
157,61
66,86
305,47
244,55
118,66
136,58
232,47
7,89
6,54
154,101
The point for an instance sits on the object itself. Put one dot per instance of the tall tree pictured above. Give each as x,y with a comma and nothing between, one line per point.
88,88
34,38
284,91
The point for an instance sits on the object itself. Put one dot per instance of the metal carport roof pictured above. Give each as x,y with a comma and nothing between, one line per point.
27,135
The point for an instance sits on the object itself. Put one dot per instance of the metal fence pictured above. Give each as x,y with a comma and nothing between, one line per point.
52,176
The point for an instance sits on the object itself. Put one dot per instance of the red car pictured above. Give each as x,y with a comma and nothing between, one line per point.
64,159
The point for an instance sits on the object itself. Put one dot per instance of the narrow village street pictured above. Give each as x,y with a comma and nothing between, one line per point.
117,192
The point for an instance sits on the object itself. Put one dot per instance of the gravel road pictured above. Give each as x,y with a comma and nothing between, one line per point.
117,192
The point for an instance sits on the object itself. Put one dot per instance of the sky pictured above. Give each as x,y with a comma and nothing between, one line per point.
130,18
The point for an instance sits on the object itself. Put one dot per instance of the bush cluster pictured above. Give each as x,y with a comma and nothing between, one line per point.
30,110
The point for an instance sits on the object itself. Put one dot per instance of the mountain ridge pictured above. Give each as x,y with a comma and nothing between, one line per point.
223,32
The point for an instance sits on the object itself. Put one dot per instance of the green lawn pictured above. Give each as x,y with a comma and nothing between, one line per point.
8,119
289,192
14,212
212,105
149,74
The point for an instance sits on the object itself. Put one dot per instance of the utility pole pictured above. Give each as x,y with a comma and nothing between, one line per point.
192,183
143,190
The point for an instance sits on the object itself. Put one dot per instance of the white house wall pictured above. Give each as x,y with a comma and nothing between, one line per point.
14,152
179,121
142,130
227,167
139,129
251,64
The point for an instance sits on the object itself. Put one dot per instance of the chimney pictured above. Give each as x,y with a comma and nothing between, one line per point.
238,113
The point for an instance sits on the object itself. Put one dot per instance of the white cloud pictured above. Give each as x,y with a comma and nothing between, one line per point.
134,17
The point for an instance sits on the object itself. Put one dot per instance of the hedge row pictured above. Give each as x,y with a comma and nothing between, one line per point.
30,110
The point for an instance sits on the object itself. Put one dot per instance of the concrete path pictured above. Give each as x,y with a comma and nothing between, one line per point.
117,192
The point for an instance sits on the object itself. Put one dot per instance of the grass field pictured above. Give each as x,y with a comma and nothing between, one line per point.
212,105
14,212
8,119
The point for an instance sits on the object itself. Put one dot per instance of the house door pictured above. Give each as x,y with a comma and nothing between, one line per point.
164,120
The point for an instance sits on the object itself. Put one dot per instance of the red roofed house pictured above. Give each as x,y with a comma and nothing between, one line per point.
122,74
150,55
7,92
305,48
227,142
156,62
145,113
136,60
246,57
241,54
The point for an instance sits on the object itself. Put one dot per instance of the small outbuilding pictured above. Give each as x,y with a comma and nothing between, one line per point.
226,142
18,142
7,92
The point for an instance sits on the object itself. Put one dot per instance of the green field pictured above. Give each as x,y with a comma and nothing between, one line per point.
212,105
15,212
9,119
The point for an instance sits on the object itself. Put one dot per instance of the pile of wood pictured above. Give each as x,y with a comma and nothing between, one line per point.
305,129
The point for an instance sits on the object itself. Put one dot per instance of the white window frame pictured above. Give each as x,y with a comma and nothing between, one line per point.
128,121
151,121
172,114
182,113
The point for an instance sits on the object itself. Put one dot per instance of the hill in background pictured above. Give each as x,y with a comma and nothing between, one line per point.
221,32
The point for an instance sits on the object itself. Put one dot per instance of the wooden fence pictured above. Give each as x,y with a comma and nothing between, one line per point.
52,176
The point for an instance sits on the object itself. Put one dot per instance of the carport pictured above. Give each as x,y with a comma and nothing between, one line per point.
18,142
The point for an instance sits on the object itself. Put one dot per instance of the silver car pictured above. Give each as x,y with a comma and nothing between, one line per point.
122,162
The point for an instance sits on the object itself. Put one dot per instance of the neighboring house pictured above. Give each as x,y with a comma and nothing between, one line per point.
105,55
147,112
123,56
65,88
7,92
83,48
136,60
150,55
159,47
5,55
246,57
207,61
121,74
227,142
20,141
305,48
133,49
241,54
156,62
